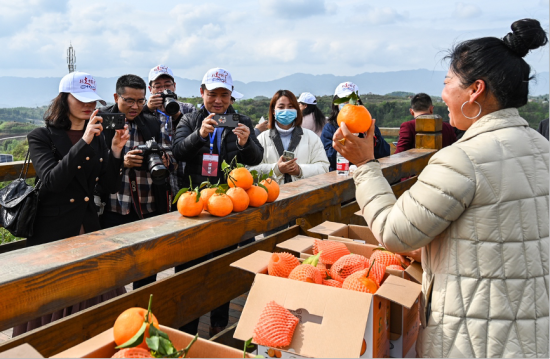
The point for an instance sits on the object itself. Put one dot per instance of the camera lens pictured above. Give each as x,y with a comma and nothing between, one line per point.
156,167
171,106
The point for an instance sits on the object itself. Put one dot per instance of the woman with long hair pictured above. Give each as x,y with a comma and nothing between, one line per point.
479,210
70,157
381,147
313,118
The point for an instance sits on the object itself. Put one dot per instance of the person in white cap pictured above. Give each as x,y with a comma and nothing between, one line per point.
314,119
345,89
161,78
204,146
70,156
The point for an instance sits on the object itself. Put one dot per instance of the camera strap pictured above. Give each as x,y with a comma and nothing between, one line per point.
134,193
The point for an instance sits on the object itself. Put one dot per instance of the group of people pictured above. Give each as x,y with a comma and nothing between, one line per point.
477,216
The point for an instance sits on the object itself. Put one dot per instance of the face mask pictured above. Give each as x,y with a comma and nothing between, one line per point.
285,117
341,106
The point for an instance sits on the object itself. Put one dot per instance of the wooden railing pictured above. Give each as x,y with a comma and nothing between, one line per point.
39,280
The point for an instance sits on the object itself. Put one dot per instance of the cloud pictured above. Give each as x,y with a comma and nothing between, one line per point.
293,9
466,11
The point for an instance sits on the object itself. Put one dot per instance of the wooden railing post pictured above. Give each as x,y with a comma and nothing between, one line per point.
428,132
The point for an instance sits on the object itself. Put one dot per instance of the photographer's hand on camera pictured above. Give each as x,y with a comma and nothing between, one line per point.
207,126
155,102
133,159
242,131
119,141
94,127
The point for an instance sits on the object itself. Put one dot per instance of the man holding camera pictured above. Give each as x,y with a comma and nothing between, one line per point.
144,190
163,105
204,143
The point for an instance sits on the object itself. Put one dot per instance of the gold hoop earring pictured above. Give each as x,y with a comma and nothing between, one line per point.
471,118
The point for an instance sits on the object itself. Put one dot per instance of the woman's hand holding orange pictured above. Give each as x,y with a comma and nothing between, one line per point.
355,149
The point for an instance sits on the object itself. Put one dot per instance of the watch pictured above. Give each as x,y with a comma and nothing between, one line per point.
374,160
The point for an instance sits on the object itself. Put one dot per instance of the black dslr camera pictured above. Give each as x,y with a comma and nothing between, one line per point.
152,154
171,106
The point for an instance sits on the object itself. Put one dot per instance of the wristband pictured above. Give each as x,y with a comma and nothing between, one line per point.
373,160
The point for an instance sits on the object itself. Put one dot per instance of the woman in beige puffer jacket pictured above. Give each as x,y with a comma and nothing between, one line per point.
479,210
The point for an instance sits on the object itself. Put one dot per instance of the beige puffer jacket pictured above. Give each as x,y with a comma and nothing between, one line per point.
480,212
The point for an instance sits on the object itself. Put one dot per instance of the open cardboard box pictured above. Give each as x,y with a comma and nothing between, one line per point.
21,351
103,346
404,323
334,322
360,234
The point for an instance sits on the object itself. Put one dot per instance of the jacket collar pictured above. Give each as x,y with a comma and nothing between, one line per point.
495,121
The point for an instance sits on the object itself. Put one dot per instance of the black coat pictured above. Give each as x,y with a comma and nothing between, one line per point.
189,147
66,200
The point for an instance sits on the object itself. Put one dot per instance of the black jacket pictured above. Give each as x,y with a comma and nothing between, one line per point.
543,128
68,176
189,147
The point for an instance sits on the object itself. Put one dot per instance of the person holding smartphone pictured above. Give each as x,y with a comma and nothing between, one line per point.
290,151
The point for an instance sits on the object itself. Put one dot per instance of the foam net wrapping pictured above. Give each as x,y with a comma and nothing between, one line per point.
384,258
275,327
331,251
306,273
133,353
281,264
332,283
348,265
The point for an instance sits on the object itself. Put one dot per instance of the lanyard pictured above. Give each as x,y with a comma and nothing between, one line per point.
212,138
167,125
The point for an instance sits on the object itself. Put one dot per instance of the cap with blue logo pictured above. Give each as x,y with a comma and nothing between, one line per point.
82,86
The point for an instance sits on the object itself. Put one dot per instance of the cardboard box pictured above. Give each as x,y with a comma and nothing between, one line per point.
334,322
360,234
103,346
21,351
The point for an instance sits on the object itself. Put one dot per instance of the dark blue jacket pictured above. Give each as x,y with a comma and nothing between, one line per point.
381,147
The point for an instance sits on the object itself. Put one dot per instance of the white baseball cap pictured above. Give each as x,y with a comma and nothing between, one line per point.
345,89
82,86
237,95
307,98
160,70
216,78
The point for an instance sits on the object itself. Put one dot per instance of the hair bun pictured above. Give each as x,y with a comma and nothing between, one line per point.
526,35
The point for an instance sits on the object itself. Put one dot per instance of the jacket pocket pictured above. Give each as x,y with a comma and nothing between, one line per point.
426,300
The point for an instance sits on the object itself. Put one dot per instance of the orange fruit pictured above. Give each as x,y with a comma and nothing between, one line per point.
363,348
220,205
275,327
242,178
377,271
281,264
395,267
385,258
206,194
332,283
358,281
331,251
188,205
325,272
128,324
273,189
257,195
306,273
133,353
239,198
347,265
356,117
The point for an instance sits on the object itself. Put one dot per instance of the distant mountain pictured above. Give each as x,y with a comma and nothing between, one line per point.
31,92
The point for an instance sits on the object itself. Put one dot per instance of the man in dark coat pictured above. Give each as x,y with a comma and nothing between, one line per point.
421,104
543,128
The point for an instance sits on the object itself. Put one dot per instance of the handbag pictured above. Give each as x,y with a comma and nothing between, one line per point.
19,202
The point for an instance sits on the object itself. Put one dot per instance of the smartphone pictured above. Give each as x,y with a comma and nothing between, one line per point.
112,121
230,120
287,156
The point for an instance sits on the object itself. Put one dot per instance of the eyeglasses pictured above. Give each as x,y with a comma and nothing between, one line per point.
161,87
131,101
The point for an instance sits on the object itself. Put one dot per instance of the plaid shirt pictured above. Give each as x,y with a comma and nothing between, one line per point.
169,132
121,202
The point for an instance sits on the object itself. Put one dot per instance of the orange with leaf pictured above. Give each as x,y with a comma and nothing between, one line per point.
189,201
356,117
272,187
361,281
307,271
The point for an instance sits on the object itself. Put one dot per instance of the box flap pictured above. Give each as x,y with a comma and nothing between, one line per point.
21,351
356,247
340,239
343,315
400,291
297,244
254,263
362,233
330,228
415,271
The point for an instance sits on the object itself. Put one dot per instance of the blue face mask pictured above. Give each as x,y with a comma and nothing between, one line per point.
285,117
341,106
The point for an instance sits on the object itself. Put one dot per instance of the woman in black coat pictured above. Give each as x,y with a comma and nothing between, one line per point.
70,157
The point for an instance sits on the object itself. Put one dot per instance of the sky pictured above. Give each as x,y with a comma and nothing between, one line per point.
257,40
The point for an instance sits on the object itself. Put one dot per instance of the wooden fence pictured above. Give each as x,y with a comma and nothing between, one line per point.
39,280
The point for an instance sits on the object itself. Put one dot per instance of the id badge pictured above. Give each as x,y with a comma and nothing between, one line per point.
210,165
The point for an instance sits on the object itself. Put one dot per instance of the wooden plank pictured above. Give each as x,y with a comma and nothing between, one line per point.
8,247
399,188
389,131
429,140
39,280
11,170
177,300
429,123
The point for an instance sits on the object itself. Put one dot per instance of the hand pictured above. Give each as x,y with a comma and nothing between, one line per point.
288,166
155,102
242,132
165,160
133,159
262,126
119,140
416,255
207,126
355,149
94,127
